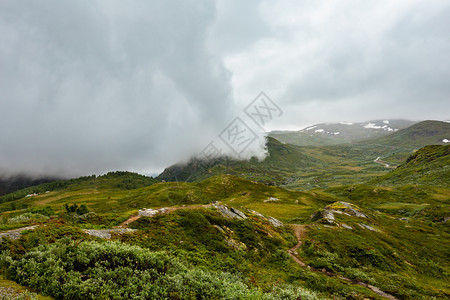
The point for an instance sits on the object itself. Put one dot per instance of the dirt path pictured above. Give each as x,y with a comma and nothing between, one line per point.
129,221
300,233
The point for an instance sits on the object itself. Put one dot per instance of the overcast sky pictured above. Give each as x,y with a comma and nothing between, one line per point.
90,86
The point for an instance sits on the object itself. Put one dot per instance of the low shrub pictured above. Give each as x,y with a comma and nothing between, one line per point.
43,210
28,218
74,208
71,269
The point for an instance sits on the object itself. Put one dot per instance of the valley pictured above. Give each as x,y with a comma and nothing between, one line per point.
364,219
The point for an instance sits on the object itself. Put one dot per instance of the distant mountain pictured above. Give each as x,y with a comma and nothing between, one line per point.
338,133
416,136
311,166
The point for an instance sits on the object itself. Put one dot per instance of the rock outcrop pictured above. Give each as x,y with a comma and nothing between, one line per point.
106,233
329,215
149,212
229,212
274,222
15,233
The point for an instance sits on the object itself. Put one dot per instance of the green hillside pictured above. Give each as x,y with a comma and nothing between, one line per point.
220,234
107,198
342,224
356,162
112,180
404,256
306,168
429,165
9,184
282,161
294,167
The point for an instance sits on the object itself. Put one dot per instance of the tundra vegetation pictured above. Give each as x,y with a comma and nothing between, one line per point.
387,229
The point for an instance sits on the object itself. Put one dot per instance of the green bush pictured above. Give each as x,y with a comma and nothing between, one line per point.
43,210
280,258
74,208
71,269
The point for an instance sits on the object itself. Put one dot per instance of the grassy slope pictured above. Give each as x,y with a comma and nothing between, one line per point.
409,206
118,180
104,197
14,183
429,165
419,187
192,234
406,257
400,259
303,168
282,161
300,168
354,163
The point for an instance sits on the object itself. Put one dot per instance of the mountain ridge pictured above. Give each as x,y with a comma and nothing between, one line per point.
429,132
341,132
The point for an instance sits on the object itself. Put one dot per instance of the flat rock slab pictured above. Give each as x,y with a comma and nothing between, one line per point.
16,233
106,233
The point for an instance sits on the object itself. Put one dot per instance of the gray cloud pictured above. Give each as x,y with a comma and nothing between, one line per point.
89,86
92,86
327,61
238,25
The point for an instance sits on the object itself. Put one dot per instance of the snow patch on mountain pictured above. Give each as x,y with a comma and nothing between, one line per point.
326,132
341,132
374,126
446,141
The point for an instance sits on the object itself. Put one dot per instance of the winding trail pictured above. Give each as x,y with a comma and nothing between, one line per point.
385,164
129,221
300,233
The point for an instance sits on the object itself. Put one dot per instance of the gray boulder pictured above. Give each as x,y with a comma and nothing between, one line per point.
231,212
